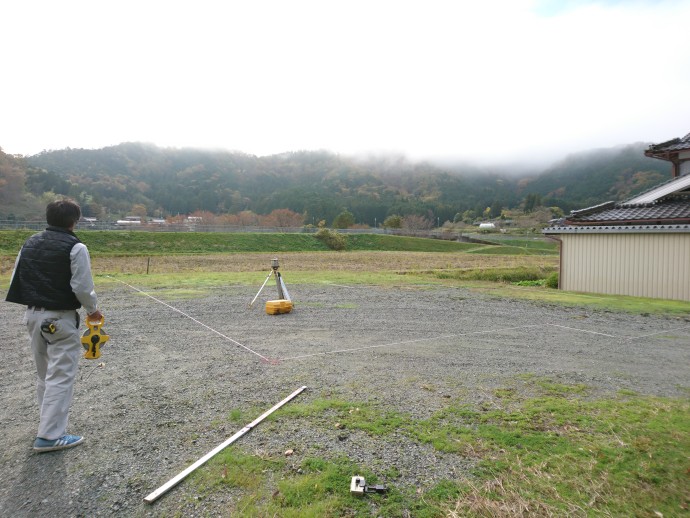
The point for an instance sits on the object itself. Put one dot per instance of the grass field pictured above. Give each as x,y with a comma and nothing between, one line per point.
186,259
157,243
160,243
553,452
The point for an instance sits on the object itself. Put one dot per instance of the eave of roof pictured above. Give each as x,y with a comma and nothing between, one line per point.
674,185
618,229
661,150
594,209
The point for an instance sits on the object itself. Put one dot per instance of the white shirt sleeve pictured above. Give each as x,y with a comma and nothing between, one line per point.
82,281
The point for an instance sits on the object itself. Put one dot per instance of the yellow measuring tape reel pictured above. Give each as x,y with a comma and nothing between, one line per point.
93,338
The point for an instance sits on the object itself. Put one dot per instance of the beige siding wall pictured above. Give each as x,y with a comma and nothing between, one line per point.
641,265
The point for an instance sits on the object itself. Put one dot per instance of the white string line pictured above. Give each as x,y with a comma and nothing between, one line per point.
564,327
194,319
657,333
442,337
621,337
337,351
584,330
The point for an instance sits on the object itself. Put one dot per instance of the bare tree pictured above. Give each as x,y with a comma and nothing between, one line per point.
416,222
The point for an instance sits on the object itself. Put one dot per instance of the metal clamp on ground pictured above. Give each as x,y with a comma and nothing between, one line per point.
358,486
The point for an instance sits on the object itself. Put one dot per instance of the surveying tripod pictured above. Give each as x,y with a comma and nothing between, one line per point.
282,289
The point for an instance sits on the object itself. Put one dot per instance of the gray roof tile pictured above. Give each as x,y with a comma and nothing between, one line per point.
653,213
666,203
677,144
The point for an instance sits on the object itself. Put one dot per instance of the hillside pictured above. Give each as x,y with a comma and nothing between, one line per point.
586,179
125,243
318,185
15,200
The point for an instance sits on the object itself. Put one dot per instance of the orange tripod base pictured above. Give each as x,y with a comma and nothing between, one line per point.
276,307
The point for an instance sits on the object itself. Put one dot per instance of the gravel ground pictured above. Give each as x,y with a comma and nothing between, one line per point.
161,397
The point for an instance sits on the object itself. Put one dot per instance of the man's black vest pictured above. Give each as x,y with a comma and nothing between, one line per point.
43,275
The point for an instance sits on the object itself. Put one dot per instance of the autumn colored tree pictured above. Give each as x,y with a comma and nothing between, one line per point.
247,218
282,218
139,210
178,219
231,220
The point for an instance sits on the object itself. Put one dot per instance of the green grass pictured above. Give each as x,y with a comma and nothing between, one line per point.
191,284
539,445
201,281
531,282
619,303
529,244
518,274
123,242
179,282
382,242
512,250
621,457
346,415
186,284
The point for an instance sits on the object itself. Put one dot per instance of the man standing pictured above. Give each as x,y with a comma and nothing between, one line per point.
52,277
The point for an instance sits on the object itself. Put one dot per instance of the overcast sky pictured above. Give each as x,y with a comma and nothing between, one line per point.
484,80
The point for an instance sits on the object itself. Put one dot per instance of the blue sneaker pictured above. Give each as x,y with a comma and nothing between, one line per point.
66,441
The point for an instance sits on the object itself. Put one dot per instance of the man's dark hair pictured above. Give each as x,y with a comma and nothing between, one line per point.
62,213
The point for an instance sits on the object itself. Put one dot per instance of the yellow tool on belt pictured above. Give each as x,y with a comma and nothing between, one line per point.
93,338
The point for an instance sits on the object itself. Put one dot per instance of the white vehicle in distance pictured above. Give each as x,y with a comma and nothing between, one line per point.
129,221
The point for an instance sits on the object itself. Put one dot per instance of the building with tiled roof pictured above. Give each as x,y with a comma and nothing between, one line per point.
640,247
665,204
676,151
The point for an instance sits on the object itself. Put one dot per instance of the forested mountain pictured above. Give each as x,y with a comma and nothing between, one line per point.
319,185
586,179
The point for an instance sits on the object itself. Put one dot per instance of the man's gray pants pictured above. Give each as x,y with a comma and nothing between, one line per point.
57,360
